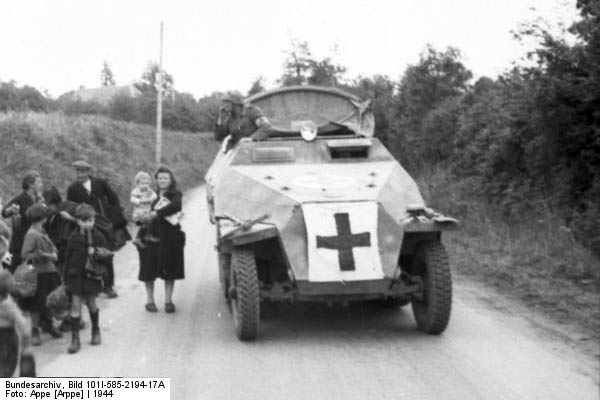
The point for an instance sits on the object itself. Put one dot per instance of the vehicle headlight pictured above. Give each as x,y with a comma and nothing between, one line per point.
309,133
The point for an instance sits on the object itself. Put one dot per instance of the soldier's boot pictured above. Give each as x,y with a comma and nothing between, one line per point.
95,316
75,345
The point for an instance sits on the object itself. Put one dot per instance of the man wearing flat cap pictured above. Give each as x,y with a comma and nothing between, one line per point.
240,120
97,193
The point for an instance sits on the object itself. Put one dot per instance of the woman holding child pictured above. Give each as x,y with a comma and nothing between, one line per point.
163,257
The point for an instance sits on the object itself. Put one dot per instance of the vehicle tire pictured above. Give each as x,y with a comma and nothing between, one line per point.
245,305
224,272
432,312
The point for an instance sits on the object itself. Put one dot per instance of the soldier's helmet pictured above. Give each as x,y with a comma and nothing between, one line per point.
234,97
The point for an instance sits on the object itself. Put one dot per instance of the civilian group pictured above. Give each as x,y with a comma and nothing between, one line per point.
69,244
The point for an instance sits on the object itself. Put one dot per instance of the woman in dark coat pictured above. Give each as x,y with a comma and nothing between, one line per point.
17,208
164,259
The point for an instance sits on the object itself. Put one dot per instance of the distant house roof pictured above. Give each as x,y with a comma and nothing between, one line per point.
105,94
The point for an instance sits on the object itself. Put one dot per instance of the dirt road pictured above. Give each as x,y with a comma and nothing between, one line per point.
315,352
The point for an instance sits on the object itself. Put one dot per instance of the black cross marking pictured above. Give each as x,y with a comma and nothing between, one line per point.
344,242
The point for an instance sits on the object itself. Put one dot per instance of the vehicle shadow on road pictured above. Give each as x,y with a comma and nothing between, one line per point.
359,320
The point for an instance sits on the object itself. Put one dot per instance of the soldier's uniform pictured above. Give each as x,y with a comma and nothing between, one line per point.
250,123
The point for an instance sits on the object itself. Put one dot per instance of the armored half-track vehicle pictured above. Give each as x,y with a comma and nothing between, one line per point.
321,211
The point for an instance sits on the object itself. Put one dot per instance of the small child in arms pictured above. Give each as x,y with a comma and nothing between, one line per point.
142,197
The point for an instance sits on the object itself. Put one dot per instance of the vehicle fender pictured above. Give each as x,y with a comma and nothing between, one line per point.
256,233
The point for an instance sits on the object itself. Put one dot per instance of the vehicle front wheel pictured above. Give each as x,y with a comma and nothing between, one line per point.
432,310
245,298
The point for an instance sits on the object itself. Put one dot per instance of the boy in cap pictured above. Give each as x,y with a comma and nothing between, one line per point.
82,244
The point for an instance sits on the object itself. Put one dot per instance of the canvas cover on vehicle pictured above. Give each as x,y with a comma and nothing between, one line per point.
331,109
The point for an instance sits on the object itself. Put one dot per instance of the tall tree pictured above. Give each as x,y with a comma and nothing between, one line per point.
565,84
148,83
380,89
257,86
325,72
208,110
107,77
297,64
438,76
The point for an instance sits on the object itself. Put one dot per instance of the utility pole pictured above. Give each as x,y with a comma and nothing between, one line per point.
159,99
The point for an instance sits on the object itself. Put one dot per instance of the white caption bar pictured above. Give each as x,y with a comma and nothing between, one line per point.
86,388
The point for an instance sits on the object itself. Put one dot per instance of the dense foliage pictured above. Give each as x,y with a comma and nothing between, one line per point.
25,98
527,142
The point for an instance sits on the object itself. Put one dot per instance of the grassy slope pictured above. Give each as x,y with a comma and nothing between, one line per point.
534,259
50,142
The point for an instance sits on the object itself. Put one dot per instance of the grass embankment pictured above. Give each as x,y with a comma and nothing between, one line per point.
535,259
49,143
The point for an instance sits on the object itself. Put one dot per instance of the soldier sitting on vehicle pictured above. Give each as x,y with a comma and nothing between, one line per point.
240,120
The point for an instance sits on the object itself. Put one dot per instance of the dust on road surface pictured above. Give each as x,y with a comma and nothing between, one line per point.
312,351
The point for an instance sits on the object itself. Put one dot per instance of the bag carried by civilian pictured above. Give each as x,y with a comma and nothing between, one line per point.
95,266
26,280
58,302
173,219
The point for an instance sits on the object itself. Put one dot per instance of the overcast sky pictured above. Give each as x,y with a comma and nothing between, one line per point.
220,45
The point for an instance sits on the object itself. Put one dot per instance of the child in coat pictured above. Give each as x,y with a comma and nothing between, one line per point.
142,197
83,286
41,252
